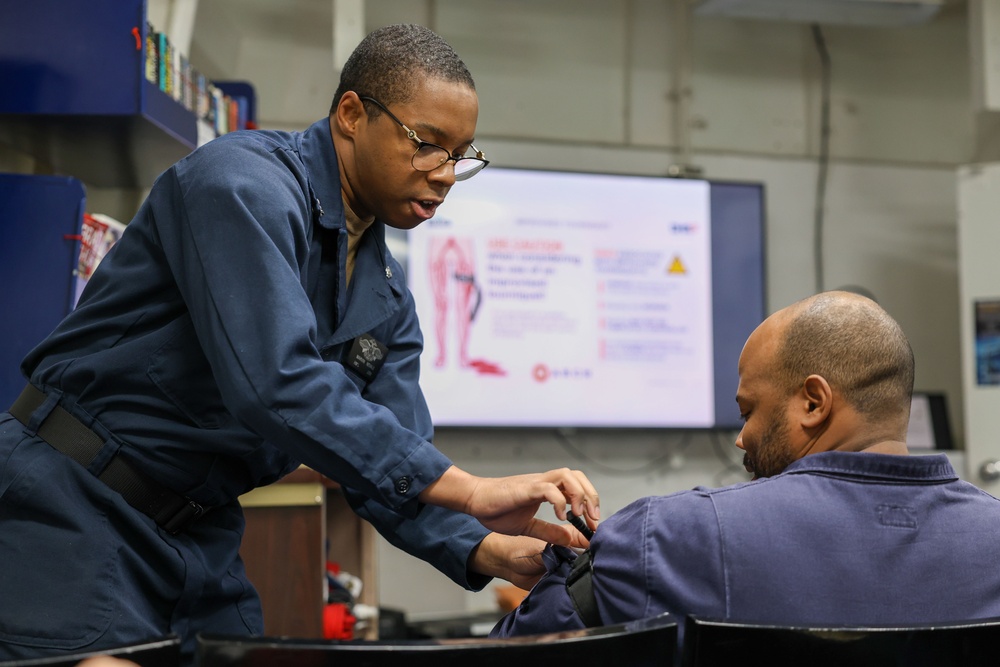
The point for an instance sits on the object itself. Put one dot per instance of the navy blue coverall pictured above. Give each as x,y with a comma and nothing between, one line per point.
851,539
207,352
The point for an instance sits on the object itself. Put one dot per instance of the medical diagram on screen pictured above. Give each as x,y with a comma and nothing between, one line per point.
556,297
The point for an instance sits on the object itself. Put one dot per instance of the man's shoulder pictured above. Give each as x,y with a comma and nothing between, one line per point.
702,495
693,505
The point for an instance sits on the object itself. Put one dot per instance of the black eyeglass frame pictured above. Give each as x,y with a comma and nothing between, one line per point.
480,157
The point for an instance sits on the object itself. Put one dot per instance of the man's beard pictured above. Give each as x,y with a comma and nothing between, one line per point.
773,452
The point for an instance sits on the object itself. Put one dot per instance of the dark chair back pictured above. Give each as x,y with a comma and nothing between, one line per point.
165,652
720,643
646,643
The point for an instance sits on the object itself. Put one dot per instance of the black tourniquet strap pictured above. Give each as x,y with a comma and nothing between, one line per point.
64,432
580,586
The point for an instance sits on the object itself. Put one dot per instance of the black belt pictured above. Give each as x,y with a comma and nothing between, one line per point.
170,511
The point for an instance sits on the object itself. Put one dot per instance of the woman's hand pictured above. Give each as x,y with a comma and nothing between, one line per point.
508,505
514,559
106,661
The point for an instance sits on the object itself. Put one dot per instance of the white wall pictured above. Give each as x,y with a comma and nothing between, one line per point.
979,238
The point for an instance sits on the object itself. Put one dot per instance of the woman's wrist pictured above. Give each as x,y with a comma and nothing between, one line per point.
452,490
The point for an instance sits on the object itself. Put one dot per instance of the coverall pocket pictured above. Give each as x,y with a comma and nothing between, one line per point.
183,374
58,557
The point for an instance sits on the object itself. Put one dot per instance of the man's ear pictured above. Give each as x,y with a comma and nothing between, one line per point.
817,401
350,110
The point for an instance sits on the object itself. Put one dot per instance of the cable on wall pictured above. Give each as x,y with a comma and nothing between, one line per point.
824,153
627,68
680,94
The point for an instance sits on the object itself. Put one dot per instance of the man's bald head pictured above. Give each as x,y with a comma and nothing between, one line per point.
853,343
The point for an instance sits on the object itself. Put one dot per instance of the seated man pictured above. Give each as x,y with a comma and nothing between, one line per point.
839,526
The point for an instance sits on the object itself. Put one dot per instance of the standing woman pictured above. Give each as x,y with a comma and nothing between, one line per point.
250,320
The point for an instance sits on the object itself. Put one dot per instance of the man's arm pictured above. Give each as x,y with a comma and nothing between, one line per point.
548,607
658,554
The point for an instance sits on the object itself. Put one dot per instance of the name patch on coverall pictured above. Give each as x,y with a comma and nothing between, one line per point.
366,357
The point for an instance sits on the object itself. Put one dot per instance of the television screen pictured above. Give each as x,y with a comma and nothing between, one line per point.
576,300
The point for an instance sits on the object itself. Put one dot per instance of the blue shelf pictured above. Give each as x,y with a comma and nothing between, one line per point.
76,97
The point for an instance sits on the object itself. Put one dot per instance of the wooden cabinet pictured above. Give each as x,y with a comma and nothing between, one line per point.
293,528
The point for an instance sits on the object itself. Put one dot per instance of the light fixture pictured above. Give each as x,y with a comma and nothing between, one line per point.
844,12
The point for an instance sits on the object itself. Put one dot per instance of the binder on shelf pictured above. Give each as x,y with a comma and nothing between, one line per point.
219,111
201,97
98,233
245,95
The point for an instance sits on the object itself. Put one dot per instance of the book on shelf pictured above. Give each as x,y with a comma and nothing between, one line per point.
174,74
152,68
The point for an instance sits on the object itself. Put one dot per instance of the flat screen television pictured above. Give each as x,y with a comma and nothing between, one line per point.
557,299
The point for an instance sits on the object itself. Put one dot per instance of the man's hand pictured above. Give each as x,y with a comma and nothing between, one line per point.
508,505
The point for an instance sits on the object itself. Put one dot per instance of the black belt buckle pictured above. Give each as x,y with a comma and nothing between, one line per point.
183,517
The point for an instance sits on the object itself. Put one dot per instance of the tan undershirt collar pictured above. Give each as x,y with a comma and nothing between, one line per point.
355,230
